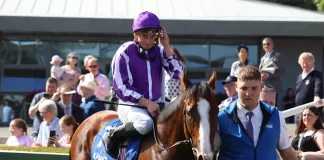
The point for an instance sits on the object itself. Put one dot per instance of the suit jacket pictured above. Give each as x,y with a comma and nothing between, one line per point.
77,112
274,79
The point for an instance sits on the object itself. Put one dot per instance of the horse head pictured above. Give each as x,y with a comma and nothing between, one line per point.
200,116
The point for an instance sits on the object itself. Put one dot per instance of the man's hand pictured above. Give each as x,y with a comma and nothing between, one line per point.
318,100
264,75
221,106
81,77
56,96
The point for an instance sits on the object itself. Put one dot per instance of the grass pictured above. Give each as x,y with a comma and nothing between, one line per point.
36,149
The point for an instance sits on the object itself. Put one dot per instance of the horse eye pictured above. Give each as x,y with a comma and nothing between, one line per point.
188,114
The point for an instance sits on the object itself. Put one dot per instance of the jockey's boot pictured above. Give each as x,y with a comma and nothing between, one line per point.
112,139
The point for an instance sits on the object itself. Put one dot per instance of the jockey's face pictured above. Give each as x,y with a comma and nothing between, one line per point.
146,40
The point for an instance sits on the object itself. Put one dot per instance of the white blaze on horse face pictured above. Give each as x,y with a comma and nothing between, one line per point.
204,128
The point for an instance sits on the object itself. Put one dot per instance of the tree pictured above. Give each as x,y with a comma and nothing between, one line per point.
319,4
307,4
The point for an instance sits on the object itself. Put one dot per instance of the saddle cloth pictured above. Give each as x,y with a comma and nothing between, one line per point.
130,148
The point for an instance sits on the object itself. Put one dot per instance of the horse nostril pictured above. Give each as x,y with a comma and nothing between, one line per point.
200,157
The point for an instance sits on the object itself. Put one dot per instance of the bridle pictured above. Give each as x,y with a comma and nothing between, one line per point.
186,141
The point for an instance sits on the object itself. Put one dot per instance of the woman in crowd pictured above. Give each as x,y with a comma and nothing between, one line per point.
19,137
309,140
172,86
68,126
71,71
243,53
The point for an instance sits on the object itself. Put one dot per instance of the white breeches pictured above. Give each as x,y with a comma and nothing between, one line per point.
142,121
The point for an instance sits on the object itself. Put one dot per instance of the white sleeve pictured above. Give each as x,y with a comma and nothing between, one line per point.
284,141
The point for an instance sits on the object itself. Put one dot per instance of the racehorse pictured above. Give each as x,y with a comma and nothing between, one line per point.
185,129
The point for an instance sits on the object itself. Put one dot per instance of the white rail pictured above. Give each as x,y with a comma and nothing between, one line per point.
299,109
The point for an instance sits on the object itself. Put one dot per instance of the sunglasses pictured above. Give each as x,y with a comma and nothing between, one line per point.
266,44
94,66
268,86
74,57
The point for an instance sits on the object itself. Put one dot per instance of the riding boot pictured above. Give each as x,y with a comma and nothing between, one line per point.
112,139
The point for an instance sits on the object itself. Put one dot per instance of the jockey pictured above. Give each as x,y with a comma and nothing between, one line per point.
137,78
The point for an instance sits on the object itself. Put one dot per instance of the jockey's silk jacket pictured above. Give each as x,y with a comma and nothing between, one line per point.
134,77
236,143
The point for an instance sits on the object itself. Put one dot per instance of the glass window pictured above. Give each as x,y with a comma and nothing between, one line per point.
108,50
24,52
82,49
13,106
196,55
222,56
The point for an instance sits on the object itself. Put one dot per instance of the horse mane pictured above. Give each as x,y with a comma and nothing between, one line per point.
170,109
196,90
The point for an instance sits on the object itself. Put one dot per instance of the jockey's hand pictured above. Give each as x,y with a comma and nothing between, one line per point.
164,38
221,106
153,108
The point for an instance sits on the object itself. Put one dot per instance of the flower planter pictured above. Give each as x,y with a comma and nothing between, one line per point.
19,155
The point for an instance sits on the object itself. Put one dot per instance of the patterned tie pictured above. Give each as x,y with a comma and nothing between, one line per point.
249,126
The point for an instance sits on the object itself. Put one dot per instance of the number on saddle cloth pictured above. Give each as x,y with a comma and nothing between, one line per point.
130,146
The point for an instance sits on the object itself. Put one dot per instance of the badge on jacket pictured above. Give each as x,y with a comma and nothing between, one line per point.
307,82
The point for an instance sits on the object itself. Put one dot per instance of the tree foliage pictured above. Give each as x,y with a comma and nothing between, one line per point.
307,4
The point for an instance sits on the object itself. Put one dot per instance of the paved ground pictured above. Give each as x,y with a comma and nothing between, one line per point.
4,132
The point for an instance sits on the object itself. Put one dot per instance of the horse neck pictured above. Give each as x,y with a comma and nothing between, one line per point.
172,130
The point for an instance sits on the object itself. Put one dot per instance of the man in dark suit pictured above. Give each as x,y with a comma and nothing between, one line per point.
309,85
271,58
67,106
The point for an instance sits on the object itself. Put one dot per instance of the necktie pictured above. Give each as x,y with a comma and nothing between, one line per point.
249,126
67,110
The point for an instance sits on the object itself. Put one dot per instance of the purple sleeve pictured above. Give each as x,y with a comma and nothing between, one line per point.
122,78
171,64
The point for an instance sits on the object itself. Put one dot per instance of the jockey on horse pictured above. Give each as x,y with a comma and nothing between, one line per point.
137,78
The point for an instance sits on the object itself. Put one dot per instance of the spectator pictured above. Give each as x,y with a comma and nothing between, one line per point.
309,85
85,61
268,95
19,137
229,86
309,139
102,82
89,106
48,111
68,126
66,104
71,71
56,70
243,53
172,86
241,127
50,89
7,112
273,59
289,102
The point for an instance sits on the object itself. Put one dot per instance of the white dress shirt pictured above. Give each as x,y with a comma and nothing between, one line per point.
256,119
304,75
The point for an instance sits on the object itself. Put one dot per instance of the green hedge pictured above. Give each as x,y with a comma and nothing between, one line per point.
33,153
36,149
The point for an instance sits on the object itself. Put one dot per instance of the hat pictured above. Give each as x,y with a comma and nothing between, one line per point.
56,58
69,92
90,84
229,79
148,22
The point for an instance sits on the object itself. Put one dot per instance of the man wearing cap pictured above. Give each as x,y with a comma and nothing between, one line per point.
66,93
229,86
89,106
137,78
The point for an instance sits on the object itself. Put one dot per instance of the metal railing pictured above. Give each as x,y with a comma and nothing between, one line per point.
299,109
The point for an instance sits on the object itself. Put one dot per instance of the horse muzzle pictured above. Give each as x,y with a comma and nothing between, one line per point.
206,157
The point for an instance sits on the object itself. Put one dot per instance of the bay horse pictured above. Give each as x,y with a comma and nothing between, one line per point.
185,129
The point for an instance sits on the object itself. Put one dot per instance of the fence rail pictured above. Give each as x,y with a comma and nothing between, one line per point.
299,109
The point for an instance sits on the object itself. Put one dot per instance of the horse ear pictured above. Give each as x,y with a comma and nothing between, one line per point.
212,80
185,82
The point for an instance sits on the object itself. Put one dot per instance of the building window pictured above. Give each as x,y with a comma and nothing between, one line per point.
222,56
196,55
